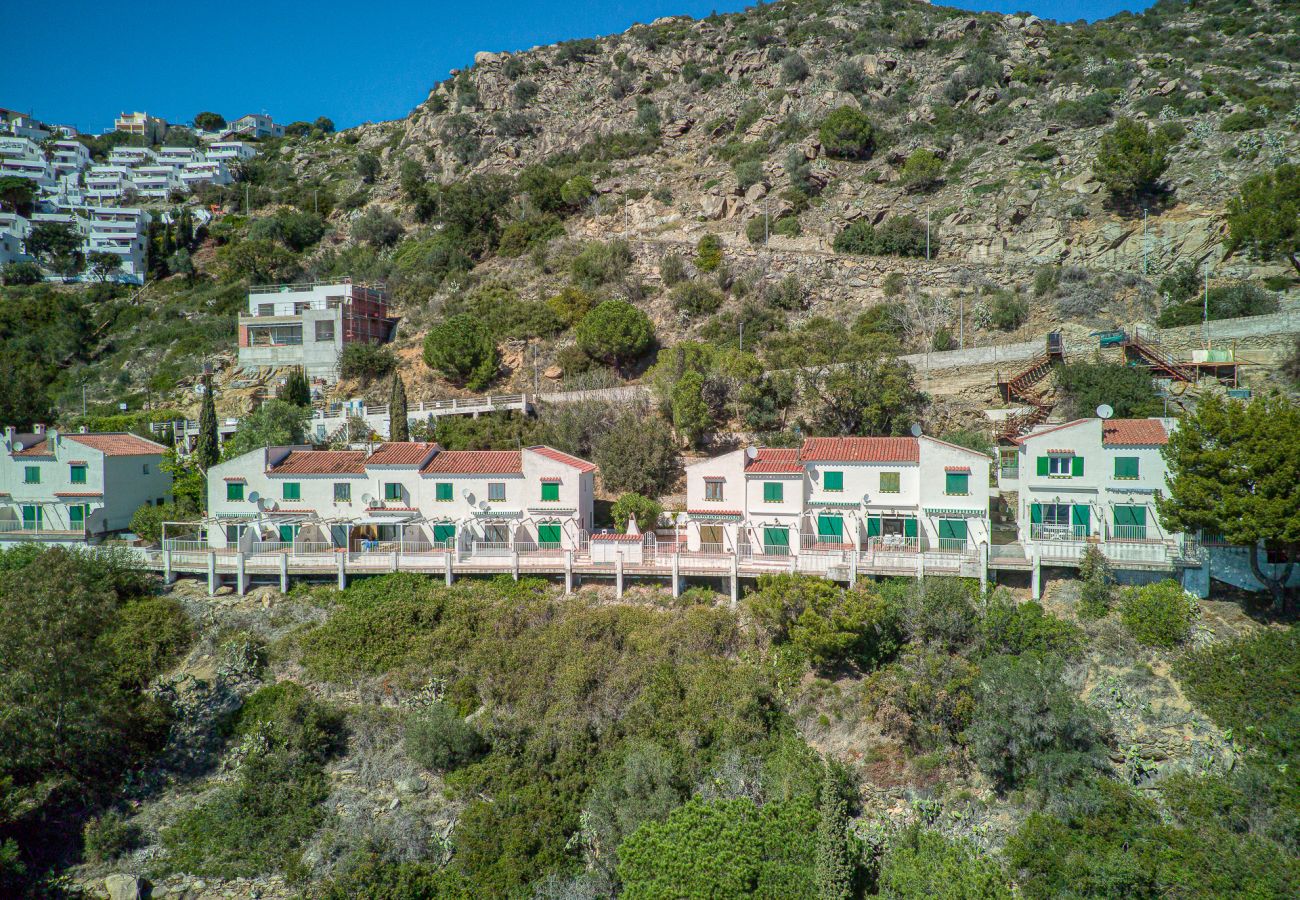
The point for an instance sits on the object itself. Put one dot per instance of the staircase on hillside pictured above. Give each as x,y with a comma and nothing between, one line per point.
1019,389
1149,353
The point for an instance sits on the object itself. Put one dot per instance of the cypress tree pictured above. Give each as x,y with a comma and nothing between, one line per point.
206,452
834,871
296,389
398,427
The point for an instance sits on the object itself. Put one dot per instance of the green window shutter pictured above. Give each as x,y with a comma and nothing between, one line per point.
291,490
1126,467
1080,516
392,491
342,492
873,526
443,533
952,528
548,534
909,528
773,491
776,539
1042,465
234,490
830,527
889,482
286,534
833,481
1140,516
1036,513
78,474
77,517
31,518
956,483
442,491
1076,466
32,475
550,490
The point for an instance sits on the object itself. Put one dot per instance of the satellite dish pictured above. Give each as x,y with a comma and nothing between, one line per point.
18,445
683,518
482,504
1105,411
814,474
751,453
866,498
916,430
367,499
254,497
469,496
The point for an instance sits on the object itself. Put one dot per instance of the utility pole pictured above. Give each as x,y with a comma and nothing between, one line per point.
927,235
1145,242
1205,308
315,206
767,220
961,321
742,336
245,198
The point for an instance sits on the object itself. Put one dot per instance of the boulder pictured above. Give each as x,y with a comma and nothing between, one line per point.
484,58
122,887
712,207
756,192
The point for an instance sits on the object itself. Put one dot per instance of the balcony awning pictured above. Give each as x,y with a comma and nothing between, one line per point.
503,515
834,504
389,519
956,513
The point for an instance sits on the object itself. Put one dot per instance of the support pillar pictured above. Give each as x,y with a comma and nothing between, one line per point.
618,575
984,567
343,575
213,579
1036,577
168,575
514,564
284,573
446,568
735,579
568,571
676,577
920,564
397,559
241,566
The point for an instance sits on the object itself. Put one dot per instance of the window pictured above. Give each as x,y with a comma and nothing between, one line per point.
325,330
31,518
773,491
1126,467
1056,514
342,492
713,489
1060,466
78,474
833,481
234,490
266,309
550,491
77,517
889,482
956,483
496,491
548,537
233,532
144,469
442,491
291,490
443,533
1130,523
392,491
32,475
160,501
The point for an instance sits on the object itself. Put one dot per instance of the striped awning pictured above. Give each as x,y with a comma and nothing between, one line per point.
502,514
956,513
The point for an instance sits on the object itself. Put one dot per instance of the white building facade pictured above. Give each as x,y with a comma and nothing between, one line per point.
879,495
404,497
76,487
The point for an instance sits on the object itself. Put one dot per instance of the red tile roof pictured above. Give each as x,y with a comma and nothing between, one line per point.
629,538
965,469
1133,433
713,512
322,462
773,460
401,453
861,449
118,444
561,457
474,462
78,493
39,448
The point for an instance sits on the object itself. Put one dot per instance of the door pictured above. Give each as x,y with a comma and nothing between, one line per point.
711,538
952,534
286,534
776,541
1131,523
443,533
548,537
830,529
31,518
1081,519
77,517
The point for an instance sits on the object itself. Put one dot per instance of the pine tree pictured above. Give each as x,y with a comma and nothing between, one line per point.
296,389
398,427
206,452
834,862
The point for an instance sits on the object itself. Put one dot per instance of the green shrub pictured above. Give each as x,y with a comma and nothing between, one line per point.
897,236
367,362
672,269
463,350
149,634
107,837
694,298
847,133
1158,615
827,624
749,172
922,171
1009,311
1130,160
571,304
577,190
1098,589
519,237
923,863
1014,628
439,739
708,253
1128,390
600,263
1242,120
615,331
1093,109
497,307
1231,301
646,511
1040,151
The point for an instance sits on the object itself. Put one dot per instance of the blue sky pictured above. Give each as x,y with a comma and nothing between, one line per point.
81,61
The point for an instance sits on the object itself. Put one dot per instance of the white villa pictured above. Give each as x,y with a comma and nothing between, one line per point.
408,497
60,488
865,494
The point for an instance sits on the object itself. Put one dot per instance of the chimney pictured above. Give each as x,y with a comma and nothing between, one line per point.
83,430
10,433
38,429
52,435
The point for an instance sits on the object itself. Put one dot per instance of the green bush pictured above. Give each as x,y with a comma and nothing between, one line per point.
922,864
521,236
1093,109
1130,160
708,253
693,298
897,236
439,739
1128,390
1014,628
577,190
615,331
1231,301
1242,120
922,171
672,269
366,362
847,133
1158,615
497,307
600,263
1098,589
646,511
571,304
107,837
149,634
826,624
749,172
463,350
1009,311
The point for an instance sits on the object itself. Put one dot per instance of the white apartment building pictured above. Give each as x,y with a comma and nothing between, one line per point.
22,125
121,231
309,324
108,183
178,157
230,151
23,158
255,125
58,488
13,237
151,128
205,172
406,497
874,494
69,157
132,157
156,182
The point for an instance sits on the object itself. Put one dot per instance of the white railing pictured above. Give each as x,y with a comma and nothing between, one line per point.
953,545
1045,532
893,543
1132,533
15,526
259,547
491,548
